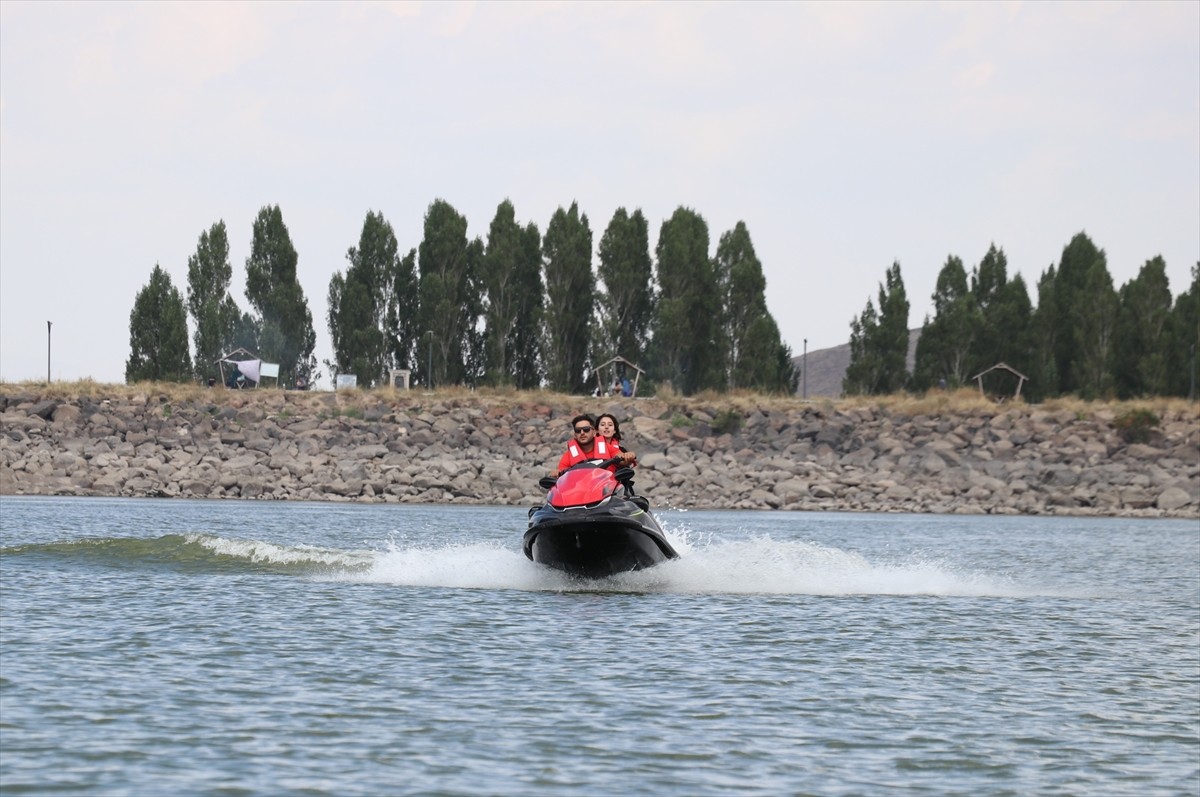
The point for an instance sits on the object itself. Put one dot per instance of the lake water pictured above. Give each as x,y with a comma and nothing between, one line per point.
252,648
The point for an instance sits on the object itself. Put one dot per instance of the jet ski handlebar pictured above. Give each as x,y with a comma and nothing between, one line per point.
546,482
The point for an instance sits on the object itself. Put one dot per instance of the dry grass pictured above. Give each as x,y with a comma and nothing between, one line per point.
85,388
166,392
1164,406
966,401
935,402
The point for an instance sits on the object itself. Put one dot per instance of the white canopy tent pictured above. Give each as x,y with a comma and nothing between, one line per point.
248,366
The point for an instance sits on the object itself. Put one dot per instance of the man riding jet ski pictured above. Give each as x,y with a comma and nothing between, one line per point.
587,446
591,523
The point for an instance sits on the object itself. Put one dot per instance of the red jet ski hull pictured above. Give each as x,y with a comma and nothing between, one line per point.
589,526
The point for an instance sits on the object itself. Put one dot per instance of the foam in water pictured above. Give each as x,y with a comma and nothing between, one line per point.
706,565
265,552
474,565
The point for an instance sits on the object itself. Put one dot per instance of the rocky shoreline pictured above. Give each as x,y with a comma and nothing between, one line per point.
467,448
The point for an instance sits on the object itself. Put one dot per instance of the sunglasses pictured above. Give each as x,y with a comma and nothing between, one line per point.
579,429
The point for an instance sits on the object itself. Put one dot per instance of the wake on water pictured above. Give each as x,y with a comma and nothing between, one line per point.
707,564
755,566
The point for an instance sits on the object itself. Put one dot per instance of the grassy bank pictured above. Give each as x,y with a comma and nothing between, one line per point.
936,403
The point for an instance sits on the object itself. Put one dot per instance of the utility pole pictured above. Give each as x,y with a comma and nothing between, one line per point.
48,325
804,370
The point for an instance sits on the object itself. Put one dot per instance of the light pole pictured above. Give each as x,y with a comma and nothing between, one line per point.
804,369
48,325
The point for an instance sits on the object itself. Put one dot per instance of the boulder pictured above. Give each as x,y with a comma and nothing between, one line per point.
822,491
1173,498
790,488
43,409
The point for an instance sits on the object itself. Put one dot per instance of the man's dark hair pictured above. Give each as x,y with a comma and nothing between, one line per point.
585,417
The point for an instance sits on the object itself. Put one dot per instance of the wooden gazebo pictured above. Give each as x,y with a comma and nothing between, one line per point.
1021,378
612,366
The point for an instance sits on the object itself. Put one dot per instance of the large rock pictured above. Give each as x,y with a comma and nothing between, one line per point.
1173,498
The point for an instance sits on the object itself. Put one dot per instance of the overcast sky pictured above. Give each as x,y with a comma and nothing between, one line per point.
845,135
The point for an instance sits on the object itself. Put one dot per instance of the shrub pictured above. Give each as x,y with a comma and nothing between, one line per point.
679,420
1134,426
728,421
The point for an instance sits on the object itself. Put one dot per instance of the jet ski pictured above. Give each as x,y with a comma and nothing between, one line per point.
592,525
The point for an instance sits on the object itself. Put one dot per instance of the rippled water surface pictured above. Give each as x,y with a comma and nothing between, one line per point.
233,648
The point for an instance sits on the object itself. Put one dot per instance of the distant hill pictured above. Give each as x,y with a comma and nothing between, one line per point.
827,367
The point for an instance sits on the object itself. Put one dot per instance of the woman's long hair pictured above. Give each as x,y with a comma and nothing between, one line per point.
616,435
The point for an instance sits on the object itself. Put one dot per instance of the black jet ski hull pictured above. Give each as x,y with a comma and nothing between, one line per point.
596,542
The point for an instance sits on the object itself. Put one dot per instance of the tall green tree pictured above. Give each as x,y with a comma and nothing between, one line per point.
570,297
988,283
1004,334
1095,316
527,362
512,282
989,278
449,302
626,301
1070,287
1044,379
687,341
214,313
862,377
286,332
1142,341
766,365
357,343
402,323
359,301
944,348
1185,340
158,336
246,328
879,341
893,331
1008,323
751,343
474,356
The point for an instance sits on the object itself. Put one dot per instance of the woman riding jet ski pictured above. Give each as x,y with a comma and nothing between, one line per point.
591,523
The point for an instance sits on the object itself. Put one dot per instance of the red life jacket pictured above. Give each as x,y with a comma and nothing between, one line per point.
575,454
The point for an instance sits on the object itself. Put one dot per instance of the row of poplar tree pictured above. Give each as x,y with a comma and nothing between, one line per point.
521,308
1085,337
